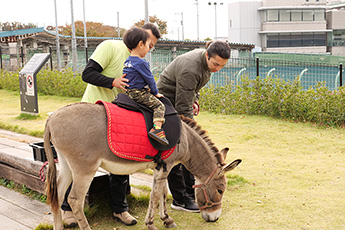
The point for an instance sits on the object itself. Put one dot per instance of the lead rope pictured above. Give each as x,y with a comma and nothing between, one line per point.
41,173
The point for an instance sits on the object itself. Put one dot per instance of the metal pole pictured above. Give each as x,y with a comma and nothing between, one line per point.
57,40
146,11
51,58
257,67
341,74
182,25
197,19
118,24
85,36
215,20
22,55
74,43
1,56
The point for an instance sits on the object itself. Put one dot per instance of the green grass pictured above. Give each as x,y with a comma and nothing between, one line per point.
291,176
12,118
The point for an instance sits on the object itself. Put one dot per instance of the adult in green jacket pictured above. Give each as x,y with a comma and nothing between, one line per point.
103,73
180,82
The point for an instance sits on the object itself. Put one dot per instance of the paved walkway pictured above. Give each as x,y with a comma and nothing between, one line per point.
17,211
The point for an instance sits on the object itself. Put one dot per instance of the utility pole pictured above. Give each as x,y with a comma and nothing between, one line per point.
74,42
85,37
58,66
118,24
197,18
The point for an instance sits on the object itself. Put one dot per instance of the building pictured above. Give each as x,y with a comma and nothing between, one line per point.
294,26
18,46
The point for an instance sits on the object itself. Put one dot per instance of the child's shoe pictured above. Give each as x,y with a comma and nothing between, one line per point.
158,135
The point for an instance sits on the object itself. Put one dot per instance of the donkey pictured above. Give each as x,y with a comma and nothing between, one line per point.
79,135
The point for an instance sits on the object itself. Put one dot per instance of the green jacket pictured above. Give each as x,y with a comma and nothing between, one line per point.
182,79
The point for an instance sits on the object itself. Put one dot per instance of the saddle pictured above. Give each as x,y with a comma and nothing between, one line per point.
171,126
128,126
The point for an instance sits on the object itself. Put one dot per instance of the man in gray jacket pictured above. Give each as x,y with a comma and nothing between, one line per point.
180,82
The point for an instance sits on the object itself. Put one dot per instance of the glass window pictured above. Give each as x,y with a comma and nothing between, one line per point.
319,39
296,40
319,15
272,15
284,40
308,15
307,39
284,15
296,15
272,40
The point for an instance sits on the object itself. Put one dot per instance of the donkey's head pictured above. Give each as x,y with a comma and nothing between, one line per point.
209,193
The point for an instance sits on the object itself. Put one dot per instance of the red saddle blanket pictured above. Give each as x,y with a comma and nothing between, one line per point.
127,134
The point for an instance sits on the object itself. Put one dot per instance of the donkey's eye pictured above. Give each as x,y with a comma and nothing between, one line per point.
220,191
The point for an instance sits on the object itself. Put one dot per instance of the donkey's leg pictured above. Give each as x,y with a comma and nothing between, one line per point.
168,221
63,181
157,194
76,198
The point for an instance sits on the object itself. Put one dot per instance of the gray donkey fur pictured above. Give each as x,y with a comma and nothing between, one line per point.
79,135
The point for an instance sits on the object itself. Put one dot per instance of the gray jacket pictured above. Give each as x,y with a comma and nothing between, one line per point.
182,79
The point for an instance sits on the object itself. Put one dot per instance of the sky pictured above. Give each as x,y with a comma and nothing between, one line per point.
42,14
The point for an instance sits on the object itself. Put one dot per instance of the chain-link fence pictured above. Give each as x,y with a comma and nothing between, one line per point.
309,73
309,69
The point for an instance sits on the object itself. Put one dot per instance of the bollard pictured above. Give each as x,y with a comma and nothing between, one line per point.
341,74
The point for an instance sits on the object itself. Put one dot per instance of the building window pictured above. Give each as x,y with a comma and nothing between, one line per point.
272,15
308,15
319,39
296,40
284,40
319,15
284,15
273,40
296,15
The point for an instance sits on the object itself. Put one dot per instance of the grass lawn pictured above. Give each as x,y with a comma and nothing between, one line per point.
294,173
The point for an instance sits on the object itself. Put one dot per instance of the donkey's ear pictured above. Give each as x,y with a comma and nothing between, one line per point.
229,167
224,152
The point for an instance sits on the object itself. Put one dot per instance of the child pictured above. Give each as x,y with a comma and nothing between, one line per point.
138,73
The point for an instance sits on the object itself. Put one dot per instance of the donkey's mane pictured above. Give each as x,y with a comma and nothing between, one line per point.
203,133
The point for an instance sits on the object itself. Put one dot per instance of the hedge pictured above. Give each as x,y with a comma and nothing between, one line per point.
277,98
64,83
271,96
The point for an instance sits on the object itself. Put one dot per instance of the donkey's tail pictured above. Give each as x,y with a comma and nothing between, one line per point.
50,185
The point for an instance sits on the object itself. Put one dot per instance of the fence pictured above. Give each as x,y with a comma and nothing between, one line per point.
308,68
309,73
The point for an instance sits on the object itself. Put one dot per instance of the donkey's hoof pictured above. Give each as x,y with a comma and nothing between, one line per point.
151,227
169,223
173,225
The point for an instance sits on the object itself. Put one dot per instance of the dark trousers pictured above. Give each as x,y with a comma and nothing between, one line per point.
181,183
119,188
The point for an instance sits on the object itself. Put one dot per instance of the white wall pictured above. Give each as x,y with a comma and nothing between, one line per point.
244,22
267,3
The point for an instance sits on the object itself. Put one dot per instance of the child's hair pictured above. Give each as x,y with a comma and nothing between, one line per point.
134,35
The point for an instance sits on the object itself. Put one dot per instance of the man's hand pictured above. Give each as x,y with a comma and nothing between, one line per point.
120,82
196,108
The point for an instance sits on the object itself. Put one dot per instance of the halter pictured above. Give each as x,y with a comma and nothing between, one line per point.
203,186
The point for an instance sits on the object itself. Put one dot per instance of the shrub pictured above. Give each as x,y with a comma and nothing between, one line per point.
269,96
64,83
277,98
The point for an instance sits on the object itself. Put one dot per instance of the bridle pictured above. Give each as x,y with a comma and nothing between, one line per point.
203,186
